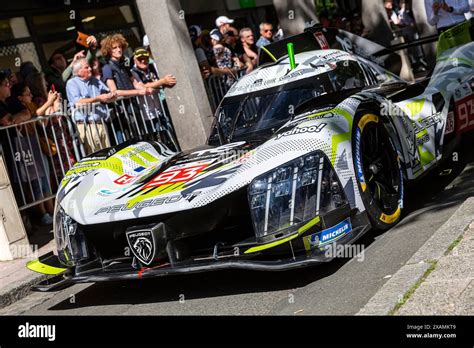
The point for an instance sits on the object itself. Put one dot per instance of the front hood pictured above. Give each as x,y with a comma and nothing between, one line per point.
119,186
147,179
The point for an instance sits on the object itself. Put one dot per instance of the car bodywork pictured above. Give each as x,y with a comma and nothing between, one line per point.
265,193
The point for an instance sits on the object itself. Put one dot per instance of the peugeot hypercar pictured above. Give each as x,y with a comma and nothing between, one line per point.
309,151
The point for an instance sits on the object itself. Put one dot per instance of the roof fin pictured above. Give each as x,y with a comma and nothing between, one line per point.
291,55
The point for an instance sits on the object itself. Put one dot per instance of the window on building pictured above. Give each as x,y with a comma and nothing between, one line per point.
11,56
54,23
13,28
95,19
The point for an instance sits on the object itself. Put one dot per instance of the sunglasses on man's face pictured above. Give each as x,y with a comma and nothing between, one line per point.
268,30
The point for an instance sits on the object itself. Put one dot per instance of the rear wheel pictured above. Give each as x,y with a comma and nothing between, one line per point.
378,171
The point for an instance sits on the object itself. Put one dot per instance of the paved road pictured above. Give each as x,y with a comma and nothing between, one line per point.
340,287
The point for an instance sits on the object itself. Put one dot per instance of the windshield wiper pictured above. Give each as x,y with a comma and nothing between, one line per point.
237,117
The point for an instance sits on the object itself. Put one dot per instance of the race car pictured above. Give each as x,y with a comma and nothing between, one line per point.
311,150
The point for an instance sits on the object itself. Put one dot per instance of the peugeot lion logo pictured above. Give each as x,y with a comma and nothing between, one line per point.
142,245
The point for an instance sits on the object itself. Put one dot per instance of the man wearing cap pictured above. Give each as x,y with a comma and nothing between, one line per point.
223,24
146,76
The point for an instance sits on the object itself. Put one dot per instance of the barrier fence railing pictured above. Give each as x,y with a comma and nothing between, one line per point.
40,151
218,85
102,125
38,154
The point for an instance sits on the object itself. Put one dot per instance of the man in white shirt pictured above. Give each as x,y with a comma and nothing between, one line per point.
445,14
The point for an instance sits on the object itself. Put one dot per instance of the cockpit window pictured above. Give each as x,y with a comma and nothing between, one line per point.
265,110
348,75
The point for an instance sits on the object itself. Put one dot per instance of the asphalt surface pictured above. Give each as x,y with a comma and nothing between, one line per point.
341,287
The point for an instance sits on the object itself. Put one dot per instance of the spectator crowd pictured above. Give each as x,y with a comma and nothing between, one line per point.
35,108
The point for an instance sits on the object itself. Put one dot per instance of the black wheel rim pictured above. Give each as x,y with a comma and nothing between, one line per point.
380,167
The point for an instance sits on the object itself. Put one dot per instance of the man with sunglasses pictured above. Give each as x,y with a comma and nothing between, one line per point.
145,75
266,34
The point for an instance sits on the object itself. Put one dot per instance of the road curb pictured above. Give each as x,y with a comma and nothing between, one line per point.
412,272
17,292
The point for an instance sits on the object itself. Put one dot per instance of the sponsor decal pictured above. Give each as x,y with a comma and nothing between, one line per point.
217,150
360,172
465,114
422,138
311,242
78,174
334,233
142,244
449,123
107,192
388,219
462,92
427,122
301,130
37,331
321,40
327,236
296,74
139,169
125,179
147,203
174,175
85,164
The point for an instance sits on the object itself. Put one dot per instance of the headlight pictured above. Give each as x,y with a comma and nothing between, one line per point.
293,194
70,242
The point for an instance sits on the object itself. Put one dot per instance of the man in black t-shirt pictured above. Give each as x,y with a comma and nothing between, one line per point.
146,76
233,43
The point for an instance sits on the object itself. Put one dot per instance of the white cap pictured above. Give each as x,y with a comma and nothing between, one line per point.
223,20
146,42
216,35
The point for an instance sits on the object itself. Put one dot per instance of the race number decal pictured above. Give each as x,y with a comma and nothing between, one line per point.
173,175
465,114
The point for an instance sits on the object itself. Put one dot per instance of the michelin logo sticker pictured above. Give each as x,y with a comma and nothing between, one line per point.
334,233
328,236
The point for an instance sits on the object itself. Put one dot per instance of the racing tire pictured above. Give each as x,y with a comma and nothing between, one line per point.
378,171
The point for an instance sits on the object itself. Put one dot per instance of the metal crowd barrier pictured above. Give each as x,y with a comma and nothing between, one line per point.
40,151
38,154
103,125
217,86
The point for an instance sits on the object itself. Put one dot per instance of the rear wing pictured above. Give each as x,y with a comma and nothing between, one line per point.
319,38
458,35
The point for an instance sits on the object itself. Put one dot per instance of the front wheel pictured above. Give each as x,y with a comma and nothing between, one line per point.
378,172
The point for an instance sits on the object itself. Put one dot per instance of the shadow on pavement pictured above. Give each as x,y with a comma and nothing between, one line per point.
195,286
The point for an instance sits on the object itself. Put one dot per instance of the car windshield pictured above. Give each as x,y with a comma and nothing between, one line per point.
268,110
